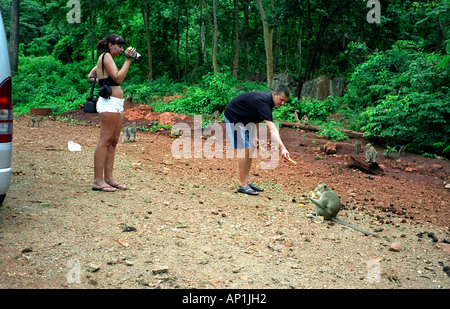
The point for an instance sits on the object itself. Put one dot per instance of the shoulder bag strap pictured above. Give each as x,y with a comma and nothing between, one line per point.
93,86
103,70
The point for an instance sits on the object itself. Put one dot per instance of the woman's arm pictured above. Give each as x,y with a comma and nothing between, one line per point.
92,74
110,66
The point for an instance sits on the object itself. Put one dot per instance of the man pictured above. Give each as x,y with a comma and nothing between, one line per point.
242,114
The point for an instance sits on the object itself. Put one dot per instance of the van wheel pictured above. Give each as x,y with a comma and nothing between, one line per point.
2,198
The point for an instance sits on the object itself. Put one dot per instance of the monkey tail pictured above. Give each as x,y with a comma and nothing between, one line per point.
352,226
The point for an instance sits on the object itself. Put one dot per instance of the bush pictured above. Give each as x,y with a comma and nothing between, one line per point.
418,117
403,94
317,111
46,82
213,94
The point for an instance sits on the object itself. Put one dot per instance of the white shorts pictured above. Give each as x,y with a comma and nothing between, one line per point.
111,105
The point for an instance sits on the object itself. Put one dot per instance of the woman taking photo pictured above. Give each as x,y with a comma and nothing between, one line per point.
110,110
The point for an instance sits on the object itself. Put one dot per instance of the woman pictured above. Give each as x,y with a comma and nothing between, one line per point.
110,110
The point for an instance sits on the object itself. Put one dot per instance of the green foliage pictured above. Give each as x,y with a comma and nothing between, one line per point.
46,82
418,117
213,94
401,70
331,130
317,111
146,92
403,94
389,150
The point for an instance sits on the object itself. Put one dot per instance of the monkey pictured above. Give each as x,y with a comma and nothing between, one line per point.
357,147
328,206
129,133
129,99
401,152
305,121
371,153
34,120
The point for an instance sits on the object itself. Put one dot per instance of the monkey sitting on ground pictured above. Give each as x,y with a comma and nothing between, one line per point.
305,121
129,133
328,206
34,120
371,153
401,152
357,147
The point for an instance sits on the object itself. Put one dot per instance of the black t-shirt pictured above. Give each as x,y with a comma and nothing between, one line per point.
255,107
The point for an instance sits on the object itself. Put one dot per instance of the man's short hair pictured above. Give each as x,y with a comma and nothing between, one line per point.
283,89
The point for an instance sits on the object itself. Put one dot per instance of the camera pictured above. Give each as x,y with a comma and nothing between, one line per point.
136,56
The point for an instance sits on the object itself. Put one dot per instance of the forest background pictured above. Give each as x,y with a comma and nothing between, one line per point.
394,56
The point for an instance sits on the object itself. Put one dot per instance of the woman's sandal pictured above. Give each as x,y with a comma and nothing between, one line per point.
247,190
104,189
119,186
255,188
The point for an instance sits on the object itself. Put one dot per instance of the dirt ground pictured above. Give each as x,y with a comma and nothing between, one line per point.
181,224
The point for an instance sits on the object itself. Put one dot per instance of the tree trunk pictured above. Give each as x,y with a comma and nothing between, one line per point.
360,163
244,34
186,48
268,42
178,50
145,15
314,128
14,37
215,33
237,46
202,34
215,37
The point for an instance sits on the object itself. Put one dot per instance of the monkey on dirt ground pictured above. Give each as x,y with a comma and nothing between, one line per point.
39,120
371,153
328,206
129,133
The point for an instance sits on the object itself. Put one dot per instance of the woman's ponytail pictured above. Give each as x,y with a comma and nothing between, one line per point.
102,45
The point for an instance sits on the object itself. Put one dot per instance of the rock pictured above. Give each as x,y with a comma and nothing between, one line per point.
287,80
289,244
129,229
160,270
112,262
214,282
322,87
445,247
446,269
436,167
128,263
396,247
329,148
92,268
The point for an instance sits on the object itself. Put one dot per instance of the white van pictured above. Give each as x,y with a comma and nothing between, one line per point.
6,115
